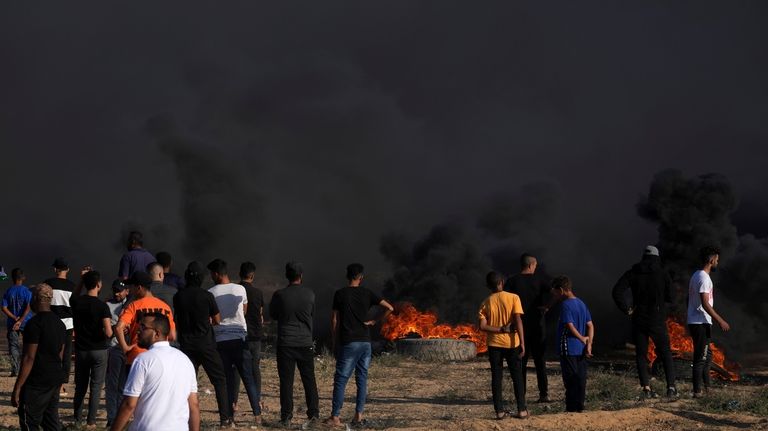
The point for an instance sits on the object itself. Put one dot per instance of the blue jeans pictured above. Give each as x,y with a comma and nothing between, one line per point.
115,381
14,348
352,356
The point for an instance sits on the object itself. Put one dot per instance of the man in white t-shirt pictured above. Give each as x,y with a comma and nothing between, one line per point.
701,312
230,333
161,390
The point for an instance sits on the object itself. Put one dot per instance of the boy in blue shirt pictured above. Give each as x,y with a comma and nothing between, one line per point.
16,307
575,334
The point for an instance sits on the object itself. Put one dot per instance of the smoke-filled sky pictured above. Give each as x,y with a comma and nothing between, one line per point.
312,130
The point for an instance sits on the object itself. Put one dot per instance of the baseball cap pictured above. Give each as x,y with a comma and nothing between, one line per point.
140,278
651,251
119,285
60,263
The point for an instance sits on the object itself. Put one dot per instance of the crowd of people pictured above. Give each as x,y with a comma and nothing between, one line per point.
145,344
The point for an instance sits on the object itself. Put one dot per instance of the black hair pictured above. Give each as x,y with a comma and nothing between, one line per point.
492,279
154,265
218,266
247,269
355,271
562,282
161,323
707,253
135,238
293,271
91,279
17,274
526,260
194,275
164,259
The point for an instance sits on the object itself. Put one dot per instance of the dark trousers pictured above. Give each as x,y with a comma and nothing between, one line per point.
90,370
235,356
574,369
39,408
288,358
254,350
115,381
66,361
658,333
209,358
702,355
536,348
497,356
14,349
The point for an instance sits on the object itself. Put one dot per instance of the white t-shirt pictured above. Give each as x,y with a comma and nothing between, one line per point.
162,378
700,283
230,298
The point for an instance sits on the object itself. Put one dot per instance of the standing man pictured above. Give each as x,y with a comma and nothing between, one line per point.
232,302
161,391
62,292
194,310
293,307
36,392
701,311
116,373
143,303
575,336
136,259
94,329
169,279
254,319
158,287
533,290
500,318
651,288
16,302
350,330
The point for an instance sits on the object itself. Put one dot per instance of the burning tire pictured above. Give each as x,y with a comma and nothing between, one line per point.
437,349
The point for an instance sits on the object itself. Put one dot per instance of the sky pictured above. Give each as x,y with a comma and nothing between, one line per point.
312,130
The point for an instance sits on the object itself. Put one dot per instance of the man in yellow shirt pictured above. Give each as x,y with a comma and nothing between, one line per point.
500,319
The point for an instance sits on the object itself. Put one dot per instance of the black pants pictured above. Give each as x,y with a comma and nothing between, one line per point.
702,355
574,370
658,333
66,361
535,347
497,356
207,356
254,348
90,371
288,358
39,408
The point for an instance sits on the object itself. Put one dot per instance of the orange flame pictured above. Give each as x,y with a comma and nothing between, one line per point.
681,345
407,320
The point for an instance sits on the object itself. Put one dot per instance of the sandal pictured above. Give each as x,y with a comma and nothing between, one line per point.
503,415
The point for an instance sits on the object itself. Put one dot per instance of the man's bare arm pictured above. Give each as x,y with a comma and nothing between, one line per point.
30,351
575,332
124,414
591,337
711,311
520,333
120,334
107,322
194,412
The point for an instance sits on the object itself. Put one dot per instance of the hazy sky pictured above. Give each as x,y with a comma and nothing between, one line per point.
307,130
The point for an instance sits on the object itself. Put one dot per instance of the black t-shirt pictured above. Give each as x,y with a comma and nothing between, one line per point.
89,313
534,292
353,304
193,308
253,316
47,331
62,291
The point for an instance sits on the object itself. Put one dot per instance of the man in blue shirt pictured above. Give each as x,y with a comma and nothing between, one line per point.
16,306
575,334
137,258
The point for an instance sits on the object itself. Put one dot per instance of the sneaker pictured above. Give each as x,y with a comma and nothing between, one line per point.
648,394
672,392
227,424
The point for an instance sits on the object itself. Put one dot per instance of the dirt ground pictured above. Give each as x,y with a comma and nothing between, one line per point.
405,394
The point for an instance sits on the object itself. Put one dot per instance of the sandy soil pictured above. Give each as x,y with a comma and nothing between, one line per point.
409,395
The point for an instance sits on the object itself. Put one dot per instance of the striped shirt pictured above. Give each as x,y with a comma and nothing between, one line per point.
62,291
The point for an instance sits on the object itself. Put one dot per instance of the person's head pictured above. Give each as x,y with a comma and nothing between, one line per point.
140,283
294,272
155,270
135,240
218,269
650,252
92,281
60,267
164,259
42,295
194,275
494,281
247,271
355,273
153,327
709,257
562,287
17,275
528,263
119,290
